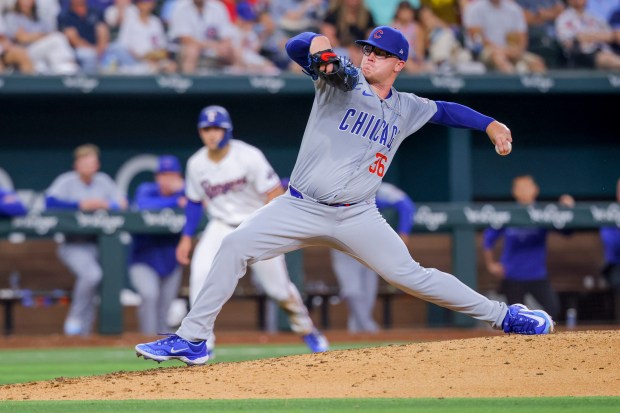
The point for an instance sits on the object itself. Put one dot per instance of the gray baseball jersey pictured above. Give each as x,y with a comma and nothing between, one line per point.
351,139
348,145
69,187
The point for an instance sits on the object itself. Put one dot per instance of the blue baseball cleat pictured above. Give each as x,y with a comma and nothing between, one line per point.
522,320
174,347
316,342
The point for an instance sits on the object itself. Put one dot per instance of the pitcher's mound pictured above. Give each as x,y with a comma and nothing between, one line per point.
565,364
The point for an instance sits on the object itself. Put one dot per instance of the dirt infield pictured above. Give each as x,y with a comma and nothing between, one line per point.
582,363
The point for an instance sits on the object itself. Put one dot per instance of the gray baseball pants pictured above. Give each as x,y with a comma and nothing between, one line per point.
82,260
289,223
358,287
157,294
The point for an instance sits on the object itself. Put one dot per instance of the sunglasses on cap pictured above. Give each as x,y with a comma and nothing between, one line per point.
380,53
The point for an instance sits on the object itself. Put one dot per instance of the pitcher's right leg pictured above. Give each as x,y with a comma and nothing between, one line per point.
276,228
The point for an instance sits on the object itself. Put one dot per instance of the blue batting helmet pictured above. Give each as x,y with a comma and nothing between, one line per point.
216,117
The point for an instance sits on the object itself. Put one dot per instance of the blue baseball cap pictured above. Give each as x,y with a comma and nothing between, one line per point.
388,39
168,163
246,12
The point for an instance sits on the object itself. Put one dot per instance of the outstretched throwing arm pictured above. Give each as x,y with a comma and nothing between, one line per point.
460,116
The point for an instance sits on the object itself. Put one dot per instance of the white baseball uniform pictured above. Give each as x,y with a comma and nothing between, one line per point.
234,188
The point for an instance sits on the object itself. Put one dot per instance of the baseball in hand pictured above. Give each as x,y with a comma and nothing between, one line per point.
507,152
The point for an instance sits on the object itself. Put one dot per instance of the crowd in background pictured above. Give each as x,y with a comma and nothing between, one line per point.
65,37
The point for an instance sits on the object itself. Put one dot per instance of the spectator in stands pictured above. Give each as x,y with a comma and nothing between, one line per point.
100,5
48,49
115,14
10,204
611,244
445,52
296,16
154,271
12,55
85,189
448,11
142,36
202,29
522,268
586,40
614,22
273,39
601,9
248,43
87,34
345,22
540,16
383,11
405,22
499,28
358,283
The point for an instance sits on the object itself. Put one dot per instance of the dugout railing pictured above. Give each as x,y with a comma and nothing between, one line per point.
459,220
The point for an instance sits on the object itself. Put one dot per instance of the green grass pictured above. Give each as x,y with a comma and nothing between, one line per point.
17,366
529,405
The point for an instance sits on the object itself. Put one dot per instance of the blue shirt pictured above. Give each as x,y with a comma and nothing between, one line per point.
10,205
525,251
602,8
85,26
611,244
158,250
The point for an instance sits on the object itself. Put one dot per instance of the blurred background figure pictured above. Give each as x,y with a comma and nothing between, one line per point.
345,22
116,13
498,31
383,11
358,283
85,189
448,11
10,204
586,39
87,33
614,22
248,43
11,55
445,51
406,21
203,34
522,267
154,271
540,16
601,9
142,36
611,244
296,16
48,49
272,38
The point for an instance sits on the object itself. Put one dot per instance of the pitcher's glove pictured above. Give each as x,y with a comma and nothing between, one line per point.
344,75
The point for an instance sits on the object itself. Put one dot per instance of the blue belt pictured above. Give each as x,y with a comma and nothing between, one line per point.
299,195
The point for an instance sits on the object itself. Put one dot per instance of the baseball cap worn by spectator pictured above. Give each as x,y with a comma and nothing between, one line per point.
168,163
388,39
246,12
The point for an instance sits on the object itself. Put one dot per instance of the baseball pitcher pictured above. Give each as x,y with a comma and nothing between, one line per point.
358,121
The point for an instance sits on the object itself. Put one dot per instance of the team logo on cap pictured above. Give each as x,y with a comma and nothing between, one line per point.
378,34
